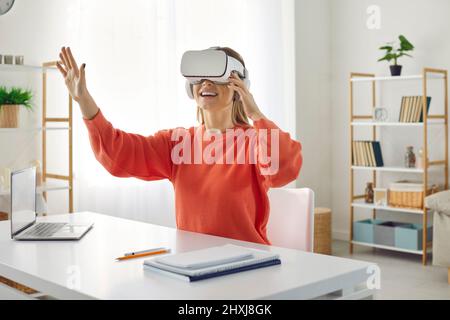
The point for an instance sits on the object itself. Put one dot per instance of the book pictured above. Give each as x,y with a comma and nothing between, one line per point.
417,109
411,109
212,262
204,258
215,274
362,153
402,110
378,154
369,155
408,109
421,109
372,154
414,108
358,148
360,156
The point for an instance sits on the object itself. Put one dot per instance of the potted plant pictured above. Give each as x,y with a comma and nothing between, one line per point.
10,102
395,53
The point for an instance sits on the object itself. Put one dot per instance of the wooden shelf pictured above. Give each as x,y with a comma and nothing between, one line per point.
362,204
366,120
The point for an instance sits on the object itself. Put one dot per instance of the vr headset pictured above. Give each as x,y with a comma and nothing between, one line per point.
210,64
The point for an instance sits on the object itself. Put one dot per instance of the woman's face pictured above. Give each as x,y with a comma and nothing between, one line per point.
212,96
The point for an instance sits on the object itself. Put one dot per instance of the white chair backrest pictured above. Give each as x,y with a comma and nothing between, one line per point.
291,220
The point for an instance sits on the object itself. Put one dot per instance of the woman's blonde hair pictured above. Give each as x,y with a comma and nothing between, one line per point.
237,113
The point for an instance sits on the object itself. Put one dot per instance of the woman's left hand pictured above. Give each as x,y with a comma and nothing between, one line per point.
250,107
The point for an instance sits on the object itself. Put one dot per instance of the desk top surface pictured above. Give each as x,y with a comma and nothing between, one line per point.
87,268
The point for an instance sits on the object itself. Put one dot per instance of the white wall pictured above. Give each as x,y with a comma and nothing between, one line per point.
355,48
313,83
36,30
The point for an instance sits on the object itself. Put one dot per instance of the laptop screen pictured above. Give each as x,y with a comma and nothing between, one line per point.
23,199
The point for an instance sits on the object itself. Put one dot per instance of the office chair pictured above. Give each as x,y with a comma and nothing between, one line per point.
291,220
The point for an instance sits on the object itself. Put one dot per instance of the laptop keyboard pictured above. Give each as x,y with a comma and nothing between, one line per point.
44,229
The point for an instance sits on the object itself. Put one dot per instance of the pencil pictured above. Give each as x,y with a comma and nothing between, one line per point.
146,254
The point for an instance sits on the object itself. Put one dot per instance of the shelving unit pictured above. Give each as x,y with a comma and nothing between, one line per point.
379,246
57,182
356,201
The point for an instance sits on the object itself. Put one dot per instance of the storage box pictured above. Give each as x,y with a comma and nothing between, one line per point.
410,236
406,199
384,233
363,230
407,194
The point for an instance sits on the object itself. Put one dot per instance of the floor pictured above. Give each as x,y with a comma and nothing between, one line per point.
402,275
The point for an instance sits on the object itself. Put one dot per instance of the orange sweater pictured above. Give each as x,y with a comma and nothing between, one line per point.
228,200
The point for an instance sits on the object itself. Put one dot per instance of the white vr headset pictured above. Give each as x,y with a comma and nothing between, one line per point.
210,64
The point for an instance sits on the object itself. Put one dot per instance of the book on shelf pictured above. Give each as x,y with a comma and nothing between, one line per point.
402,110
372,155
367,154
411,109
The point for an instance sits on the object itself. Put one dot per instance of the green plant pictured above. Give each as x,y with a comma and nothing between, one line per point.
395,53
16,96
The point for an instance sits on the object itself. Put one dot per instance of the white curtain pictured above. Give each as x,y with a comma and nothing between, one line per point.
132,50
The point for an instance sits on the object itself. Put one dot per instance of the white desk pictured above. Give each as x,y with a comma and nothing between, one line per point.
87,269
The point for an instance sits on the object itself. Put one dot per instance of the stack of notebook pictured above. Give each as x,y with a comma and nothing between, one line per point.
211,262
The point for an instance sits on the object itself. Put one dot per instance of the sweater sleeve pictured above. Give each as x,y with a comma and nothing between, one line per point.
279,156
130,155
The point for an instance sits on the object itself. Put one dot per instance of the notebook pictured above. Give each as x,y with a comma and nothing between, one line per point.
212,262
206,257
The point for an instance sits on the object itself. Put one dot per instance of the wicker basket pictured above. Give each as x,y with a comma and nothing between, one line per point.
407,199
322,231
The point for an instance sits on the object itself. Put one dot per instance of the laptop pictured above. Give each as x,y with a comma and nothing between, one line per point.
23,213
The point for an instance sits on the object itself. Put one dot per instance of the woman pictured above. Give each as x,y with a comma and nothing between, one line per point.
223,199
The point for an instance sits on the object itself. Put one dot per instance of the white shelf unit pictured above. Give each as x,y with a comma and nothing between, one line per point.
26,68
431,74
57,182
45,187
394,124
367,121
363,204
39,129
398,169
379,246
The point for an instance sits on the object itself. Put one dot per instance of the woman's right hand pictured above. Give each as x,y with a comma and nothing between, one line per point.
74,77
76,83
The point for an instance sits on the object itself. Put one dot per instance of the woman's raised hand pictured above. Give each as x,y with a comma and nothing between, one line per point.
74,77
76,83
249,104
